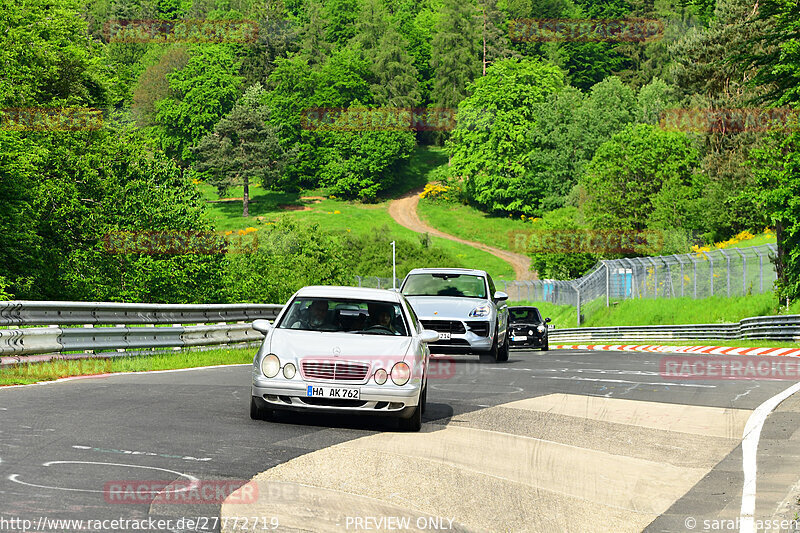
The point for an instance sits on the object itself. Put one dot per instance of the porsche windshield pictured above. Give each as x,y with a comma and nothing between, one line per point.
461,285
351,316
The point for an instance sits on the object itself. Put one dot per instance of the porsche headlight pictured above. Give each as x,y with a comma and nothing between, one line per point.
540,328
401,373
481,310
271,365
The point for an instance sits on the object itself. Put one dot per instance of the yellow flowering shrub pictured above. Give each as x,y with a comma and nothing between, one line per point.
434,191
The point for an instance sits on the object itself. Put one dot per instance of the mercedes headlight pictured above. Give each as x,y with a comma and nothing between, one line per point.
401,373
289,370
271,365
481,310
381,376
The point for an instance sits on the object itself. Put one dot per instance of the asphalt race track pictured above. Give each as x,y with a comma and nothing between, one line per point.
554,441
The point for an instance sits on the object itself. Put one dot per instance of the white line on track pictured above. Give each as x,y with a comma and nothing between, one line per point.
193,481
665,383
752,432
112,374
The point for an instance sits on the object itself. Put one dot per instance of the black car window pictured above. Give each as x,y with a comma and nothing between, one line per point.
525,314
366,317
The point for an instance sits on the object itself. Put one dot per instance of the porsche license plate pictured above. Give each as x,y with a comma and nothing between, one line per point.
444,336
519,338
344,393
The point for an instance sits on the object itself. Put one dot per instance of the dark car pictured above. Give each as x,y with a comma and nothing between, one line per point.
527,328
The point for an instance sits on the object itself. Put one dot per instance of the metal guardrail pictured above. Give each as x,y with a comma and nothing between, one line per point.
34,313
134,326
775,328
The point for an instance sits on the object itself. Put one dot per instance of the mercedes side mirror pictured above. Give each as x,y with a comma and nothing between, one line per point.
262,325
428,335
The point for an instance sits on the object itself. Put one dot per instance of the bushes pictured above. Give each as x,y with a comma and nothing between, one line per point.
289,257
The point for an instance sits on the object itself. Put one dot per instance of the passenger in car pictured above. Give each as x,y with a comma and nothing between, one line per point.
314,317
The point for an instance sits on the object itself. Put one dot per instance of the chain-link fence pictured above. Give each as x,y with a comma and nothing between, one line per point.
719,272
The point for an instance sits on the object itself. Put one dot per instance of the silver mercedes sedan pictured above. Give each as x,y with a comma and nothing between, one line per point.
343,350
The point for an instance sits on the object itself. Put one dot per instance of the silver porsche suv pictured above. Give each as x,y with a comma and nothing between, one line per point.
463,306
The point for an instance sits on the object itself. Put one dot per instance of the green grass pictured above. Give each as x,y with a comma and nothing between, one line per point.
352,216
469,223
645,312
758,240
26,373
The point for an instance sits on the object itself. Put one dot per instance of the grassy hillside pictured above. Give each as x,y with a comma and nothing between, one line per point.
469,223
266,207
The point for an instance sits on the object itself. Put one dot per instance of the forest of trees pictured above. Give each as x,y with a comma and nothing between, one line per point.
567,131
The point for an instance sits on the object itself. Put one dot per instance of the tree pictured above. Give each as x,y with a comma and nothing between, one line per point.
776,190
243,147
88,187
774,52
494,34
202,92
564,263
490,144
313,44
395,76
644,177
20,251
289,256
341,16
46,58
454,53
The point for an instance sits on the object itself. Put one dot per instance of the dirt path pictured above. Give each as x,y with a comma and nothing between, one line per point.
404,212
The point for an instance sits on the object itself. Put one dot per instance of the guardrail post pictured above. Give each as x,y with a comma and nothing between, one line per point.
88,326
119,326
694,264
608,281
578,292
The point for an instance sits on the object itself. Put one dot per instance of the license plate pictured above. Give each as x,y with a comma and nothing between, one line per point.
333,392
444,336
519,338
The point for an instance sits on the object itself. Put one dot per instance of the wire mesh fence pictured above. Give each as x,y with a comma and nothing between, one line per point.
720,272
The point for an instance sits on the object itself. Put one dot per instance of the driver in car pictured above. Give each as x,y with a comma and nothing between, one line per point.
381,318
315,317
